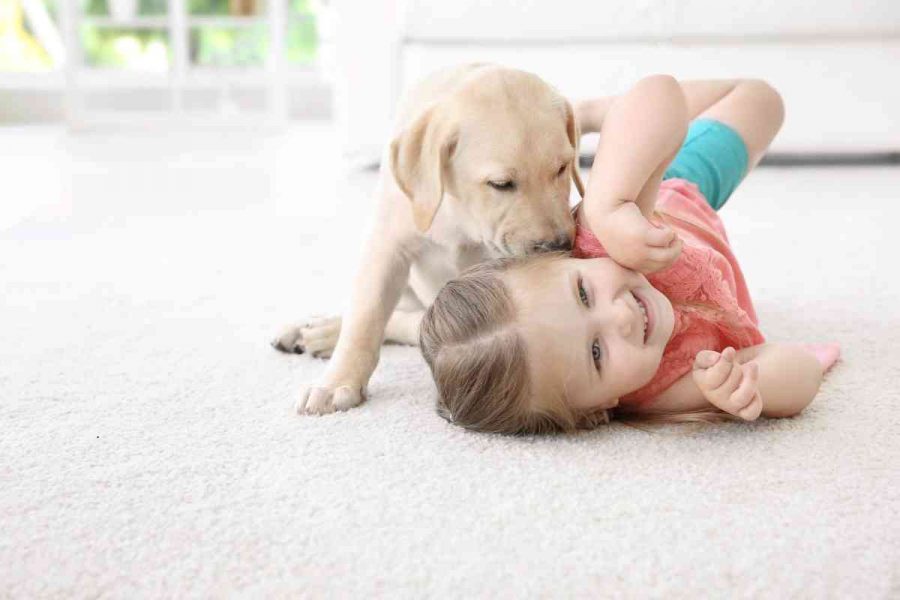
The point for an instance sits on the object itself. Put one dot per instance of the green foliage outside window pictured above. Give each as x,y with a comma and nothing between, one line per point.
144,49
209,46
220,47
302,38
208,7
100,8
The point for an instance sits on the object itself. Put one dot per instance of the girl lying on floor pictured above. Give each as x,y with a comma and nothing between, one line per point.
649,318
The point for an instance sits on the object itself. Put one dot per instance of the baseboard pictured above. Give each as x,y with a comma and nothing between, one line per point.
834,159
796,159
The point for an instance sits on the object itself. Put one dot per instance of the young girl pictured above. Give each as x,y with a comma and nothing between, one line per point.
656,323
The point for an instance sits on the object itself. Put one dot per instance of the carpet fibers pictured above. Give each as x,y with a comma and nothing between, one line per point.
148,445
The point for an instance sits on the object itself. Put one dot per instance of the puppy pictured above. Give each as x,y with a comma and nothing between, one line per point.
479,168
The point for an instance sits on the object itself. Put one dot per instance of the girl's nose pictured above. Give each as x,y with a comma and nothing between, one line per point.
626,319
618,316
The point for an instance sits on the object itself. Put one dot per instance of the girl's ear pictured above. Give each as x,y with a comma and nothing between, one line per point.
419,159
574,133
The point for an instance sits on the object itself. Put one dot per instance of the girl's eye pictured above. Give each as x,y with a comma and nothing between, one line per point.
503,186
562,170
596,352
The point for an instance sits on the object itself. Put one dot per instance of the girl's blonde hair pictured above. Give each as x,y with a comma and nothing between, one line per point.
471,340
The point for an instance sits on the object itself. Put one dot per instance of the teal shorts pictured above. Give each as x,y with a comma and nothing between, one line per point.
714,157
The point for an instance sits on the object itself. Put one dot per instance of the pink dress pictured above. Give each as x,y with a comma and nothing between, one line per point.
712,306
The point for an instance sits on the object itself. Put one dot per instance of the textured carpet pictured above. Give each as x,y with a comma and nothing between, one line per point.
148,445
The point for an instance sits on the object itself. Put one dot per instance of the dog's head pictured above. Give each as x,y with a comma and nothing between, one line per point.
501,151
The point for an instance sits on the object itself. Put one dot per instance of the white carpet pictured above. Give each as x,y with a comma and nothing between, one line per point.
148,445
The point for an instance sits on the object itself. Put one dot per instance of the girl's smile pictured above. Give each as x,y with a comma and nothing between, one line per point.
592,327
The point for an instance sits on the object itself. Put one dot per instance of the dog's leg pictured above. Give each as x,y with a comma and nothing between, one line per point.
403,328
380,279
319,334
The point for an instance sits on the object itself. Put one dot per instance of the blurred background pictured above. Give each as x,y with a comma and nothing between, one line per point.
301,93
93,61
181,179
85,63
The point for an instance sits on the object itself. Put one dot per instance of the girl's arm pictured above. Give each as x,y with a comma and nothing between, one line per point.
642,132
787,380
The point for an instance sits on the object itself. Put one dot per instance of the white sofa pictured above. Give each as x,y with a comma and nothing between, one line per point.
836,62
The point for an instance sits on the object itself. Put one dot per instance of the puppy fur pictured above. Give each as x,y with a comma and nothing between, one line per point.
479,167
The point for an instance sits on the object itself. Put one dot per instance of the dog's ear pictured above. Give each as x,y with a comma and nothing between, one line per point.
574,133
419,161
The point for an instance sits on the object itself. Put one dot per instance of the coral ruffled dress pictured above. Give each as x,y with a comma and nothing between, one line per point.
712,306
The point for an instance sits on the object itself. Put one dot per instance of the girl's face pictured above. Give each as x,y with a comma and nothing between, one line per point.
584,328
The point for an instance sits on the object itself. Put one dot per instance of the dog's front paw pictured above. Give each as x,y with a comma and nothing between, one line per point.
324,399
318,336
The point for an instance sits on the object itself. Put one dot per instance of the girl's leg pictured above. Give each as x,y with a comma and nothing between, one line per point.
714,157
728,139
753,109
700,95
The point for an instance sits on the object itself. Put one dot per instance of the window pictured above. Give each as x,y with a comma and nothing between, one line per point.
178,46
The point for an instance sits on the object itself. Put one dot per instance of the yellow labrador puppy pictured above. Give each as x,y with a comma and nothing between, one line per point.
480,167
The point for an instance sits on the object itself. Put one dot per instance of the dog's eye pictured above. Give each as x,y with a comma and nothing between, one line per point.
503,186
562,170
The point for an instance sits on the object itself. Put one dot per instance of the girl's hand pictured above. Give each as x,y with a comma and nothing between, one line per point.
728,384
633,242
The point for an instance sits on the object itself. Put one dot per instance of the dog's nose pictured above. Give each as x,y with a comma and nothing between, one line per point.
561,243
